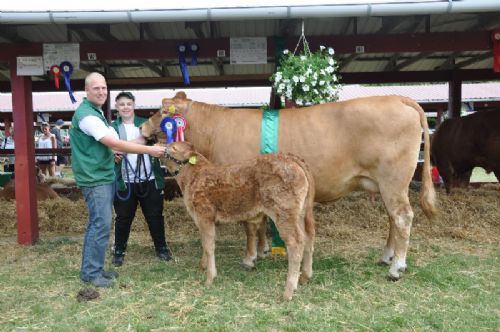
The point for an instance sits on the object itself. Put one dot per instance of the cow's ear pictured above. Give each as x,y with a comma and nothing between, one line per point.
180,95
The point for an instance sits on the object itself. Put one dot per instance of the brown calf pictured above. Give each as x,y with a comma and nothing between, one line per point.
279,186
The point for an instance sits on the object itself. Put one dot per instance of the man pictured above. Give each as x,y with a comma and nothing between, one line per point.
139,180
61,159
92,144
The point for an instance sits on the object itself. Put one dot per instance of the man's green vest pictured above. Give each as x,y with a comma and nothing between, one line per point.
92,161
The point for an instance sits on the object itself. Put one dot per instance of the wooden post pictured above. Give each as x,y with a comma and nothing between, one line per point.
454,97
22,111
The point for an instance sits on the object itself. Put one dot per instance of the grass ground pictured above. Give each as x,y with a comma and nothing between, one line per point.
450,286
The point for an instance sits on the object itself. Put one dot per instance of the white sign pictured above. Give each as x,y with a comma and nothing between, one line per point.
250,50
54,54
29,66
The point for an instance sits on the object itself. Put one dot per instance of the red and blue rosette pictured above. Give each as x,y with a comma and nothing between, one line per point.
168,126
55,71
181,54
67,70
181,124
193,47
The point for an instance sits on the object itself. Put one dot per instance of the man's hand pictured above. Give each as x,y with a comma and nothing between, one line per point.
118,157
157,151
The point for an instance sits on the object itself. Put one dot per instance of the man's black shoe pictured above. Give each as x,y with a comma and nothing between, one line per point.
109,274
101,282
118,258
164,254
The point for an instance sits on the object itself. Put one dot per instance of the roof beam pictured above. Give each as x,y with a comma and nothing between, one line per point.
263,80
165,49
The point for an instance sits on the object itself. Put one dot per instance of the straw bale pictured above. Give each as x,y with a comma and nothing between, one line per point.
464,214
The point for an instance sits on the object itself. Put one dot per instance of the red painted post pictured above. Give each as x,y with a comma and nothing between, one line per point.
22,111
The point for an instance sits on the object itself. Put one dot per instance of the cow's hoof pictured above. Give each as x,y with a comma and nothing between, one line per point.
287,295
247,267
263,254
381,262
303,279
392,277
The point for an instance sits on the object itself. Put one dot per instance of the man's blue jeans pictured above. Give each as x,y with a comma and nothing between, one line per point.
99,201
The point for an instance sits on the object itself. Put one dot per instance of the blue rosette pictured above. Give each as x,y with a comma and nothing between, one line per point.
193,47
181,54
169,127
67,69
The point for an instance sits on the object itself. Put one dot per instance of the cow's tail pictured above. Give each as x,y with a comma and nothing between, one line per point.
309,223
427,192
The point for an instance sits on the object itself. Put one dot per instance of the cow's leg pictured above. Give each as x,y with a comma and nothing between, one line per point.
251,227
389,246
207,231
310,233
399,210
293,236
262,243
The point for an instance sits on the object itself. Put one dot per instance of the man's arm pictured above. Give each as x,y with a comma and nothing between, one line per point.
130,147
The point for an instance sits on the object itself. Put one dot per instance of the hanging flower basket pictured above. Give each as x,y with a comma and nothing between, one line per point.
307,78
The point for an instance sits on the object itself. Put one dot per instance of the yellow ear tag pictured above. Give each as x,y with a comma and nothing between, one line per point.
171,109
193,160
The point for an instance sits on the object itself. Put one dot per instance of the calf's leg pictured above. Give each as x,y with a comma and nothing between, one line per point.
262,243
251,253
310,233
294,239
389,246
207,231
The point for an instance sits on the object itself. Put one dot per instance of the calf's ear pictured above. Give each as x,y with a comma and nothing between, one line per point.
180,95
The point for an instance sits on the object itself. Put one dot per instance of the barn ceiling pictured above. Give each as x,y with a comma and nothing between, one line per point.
396,48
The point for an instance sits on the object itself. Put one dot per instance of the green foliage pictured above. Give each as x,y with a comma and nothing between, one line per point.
307,78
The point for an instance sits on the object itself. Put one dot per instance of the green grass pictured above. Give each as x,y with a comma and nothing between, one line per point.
450,286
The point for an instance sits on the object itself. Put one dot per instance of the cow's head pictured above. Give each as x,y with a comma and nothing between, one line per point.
178,104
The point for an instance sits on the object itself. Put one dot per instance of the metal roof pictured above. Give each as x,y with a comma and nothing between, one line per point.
321,23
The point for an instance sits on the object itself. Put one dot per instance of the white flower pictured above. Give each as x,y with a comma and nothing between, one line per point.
331,62
295,79
302,79
286,51
303,57
331,51
321,47
321,83
305,87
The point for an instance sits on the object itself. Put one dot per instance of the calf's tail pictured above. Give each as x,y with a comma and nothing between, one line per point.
427,192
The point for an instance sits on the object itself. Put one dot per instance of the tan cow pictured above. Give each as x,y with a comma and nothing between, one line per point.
43,190
368,143
279,186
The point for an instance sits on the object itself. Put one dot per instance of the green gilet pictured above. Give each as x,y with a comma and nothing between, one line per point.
155,162
92,161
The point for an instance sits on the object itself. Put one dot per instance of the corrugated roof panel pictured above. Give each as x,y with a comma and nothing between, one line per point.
46,33
125,31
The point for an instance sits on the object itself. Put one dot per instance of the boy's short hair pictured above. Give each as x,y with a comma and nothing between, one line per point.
125,94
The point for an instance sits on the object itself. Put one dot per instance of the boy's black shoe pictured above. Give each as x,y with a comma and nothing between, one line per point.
164,254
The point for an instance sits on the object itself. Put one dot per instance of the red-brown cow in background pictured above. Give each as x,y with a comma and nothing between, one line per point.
460,144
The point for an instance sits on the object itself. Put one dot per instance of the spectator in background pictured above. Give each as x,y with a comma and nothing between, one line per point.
8,143
61,159
47,140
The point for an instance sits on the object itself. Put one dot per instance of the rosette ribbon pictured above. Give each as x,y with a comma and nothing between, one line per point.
168,126
181,124
181,53
194,53
55,71
67,70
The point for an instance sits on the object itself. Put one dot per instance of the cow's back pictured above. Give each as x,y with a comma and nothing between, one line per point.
343,143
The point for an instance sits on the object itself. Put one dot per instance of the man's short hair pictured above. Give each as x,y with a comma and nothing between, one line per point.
125,94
